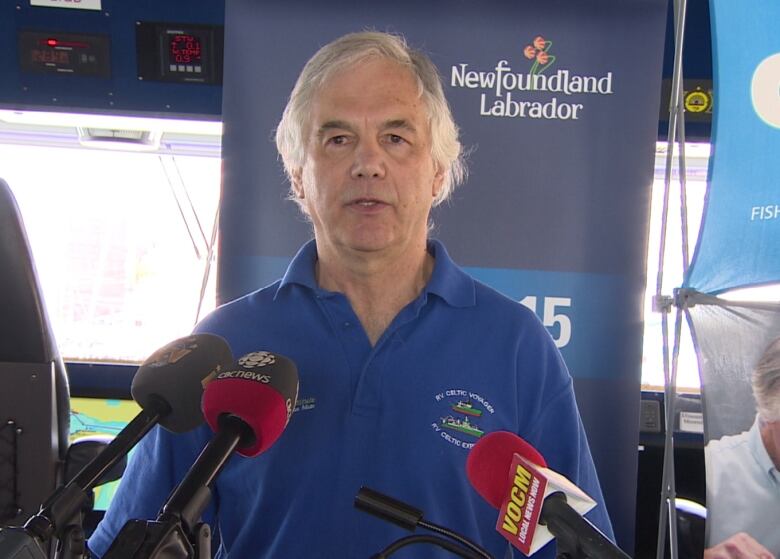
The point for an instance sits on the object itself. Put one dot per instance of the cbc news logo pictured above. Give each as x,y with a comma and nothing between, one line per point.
257,359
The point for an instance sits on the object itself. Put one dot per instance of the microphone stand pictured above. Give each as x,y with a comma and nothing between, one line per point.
60,514
575,536
453,547
73,543
409,517
178,532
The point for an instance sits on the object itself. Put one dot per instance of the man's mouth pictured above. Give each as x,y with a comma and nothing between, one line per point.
367,203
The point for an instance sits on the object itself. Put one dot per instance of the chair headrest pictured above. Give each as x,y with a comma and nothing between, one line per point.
25,334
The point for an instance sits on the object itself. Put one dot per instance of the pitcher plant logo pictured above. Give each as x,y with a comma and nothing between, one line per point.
539,52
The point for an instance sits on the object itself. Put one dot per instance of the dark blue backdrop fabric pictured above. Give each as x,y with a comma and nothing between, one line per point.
556,208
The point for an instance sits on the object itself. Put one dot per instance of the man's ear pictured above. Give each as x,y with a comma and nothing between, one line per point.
296,178
438,181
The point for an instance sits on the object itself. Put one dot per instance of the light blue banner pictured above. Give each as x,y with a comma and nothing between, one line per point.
739,242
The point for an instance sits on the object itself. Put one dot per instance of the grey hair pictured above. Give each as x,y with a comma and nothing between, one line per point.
766,383
348,50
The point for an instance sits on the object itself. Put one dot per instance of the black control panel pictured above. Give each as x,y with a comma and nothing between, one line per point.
64,53
178,52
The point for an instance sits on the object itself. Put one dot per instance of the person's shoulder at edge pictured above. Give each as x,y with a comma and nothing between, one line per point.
727,442
299,272
237,307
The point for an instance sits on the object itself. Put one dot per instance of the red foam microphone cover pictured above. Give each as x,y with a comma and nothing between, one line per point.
488,463
261,388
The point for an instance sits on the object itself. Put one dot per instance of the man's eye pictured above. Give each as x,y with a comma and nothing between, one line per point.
338,140
395,139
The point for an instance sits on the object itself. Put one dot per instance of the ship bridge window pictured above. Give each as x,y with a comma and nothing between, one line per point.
121,217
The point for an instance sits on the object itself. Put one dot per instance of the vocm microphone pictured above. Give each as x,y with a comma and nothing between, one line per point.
535,503
247,405
168,386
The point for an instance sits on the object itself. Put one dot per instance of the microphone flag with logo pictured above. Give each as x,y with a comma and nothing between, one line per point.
261,389
513,477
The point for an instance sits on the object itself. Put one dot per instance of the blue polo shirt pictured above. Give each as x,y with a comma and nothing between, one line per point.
459,361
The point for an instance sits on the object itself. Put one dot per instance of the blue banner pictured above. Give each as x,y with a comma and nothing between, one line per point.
739,241
558,105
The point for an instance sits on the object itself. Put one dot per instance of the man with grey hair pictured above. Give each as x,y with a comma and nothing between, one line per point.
404,360
743,481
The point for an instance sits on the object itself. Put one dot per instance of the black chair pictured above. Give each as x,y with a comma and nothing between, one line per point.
691,521
34,396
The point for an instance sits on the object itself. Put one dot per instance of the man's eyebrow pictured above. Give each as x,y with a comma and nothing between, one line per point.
399,123
333,125
396,123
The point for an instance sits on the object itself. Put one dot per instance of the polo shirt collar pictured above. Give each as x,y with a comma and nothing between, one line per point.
447,281
301,268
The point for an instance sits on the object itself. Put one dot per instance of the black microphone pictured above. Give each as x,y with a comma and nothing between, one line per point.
168,387
408,517
512,476
247,405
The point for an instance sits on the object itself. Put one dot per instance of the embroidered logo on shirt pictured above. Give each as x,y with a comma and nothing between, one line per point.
461,416
304,404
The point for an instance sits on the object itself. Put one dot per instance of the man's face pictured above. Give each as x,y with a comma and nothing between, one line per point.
770,434
368,180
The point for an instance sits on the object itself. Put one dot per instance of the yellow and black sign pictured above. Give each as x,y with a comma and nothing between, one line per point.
698,101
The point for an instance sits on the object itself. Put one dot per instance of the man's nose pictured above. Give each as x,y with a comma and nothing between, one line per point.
369,161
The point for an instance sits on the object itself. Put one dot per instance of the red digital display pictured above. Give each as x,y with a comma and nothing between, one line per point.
75,54
179,53
185,49
49,56
57,43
